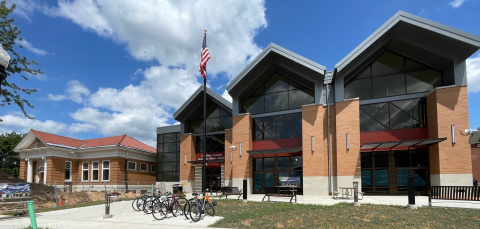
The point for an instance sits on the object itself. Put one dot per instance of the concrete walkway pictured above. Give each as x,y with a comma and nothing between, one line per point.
125,217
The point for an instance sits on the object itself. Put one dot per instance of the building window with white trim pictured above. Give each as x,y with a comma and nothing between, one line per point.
143,167
154,168
105,170
85,171
95,171
132,166
68,170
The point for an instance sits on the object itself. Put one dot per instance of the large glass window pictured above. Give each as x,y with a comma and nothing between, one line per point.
168,157
400,114
391,74
215,143
217,120
277,93
277,127
375,172
68,170
270,172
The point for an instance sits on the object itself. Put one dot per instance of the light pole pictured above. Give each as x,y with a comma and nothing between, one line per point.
4,61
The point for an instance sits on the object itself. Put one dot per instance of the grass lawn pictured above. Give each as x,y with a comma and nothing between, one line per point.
285,215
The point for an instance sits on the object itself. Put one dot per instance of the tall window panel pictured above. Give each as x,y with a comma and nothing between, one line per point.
95,173
278,93
85,171
105,170
168,157
68,170
218,119
392,74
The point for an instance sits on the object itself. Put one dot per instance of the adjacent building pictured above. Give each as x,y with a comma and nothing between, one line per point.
393,107
117,162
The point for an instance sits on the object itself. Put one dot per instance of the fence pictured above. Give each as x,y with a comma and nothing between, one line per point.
455,193
104,186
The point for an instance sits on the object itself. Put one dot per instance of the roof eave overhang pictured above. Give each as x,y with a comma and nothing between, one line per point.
185,111
263,57
464,41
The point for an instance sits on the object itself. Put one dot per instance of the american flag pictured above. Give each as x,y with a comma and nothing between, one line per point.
205,56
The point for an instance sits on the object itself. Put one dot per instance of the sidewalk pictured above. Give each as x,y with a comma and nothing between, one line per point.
92,217
125,217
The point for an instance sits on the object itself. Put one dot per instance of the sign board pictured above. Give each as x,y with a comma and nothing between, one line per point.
328,78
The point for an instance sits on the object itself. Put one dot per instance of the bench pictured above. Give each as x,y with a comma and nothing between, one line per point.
276,192
227,191
18,207
335,195
467,193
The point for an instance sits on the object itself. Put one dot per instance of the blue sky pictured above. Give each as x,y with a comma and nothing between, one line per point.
115,67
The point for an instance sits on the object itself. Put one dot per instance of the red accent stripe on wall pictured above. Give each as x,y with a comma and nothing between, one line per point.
277,144
394,135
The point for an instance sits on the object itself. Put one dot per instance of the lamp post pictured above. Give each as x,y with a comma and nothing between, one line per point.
4,61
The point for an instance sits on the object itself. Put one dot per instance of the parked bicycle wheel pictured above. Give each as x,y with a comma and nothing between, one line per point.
159,211
186,208
148,206
209,209
177,207
137,204
195,211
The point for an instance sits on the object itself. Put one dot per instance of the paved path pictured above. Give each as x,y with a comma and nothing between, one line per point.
92,217
125,217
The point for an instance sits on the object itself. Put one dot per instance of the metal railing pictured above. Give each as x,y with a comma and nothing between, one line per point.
454,193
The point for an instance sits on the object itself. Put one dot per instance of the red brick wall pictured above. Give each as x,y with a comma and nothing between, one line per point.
445,107
187,147
242,132
347,115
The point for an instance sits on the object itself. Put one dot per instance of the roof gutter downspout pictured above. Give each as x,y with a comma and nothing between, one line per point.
330,191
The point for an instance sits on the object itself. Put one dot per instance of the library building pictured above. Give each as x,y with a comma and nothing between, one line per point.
395,106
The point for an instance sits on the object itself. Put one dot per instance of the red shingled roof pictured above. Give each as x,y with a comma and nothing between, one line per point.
121,140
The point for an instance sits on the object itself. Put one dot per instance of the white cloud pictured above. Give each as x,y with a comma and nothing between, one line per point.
24,43
456,3
473,73
171,32
24,124
75,91
227,96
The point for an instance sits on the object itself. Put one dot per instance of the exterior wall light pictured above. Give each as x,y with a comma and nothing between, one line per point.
453,134
240,149
348,141
313,143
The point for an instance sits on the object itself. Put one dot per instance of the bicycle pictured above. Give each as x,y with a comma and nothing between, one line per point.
168,204
200,206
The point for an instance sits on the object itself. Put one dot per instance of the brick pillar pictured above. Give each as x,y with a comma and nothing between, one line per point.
450,163
187,170
241,133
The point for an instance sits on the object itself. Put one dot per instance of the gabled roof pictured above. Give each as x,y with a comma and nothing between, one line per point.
274,57
195,101
61,141
407,32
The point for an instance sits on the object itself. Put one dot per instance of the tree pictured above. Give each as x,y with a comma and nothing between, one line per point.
19,65
9,163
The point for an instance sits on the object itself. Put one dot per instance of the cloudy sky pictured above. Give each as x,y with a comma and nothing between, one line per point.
115,67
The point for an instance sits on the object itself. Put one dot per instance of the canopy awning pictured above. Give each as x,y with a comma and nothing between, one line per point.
403,143
221,161
274,151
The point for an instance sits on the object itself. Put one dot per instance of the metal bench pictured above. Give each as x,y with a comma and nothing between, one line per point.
277,192
227,191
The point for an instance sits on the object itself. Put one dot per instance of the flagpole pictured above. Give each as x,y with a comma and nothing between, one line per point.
204,167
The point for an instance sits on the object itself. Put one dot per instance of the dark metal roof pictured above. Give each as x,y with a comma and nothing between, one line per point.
274,151
404,143
412,34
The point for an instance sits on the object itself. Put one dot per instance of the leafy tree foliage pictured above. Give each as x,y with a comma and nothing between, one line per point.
8,162
19,65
